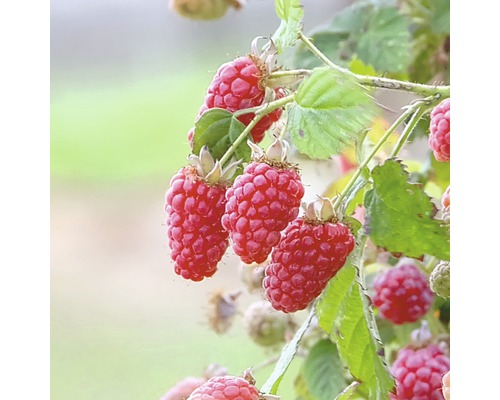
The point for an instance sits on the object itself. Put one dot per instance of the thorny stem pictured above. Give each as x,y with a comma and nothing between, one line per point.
260,112
379,82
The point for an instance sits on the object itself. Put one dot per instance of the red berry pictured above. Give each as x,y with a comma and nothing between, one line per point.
237,85
225,388
183,388
402,294
308,256
260,204
419,373
196,237
439,137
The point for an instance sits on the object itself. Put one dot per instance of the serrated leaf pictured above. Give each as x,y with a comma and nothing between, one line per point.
344,313
218,129
321,375
399,215
330,112
291,14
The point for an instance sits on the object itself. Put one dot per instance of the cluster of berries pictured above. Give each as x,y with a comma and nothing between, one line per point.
258,212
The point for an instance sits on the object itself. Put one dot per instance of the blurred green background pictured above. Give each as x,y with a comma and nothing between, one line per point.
127,78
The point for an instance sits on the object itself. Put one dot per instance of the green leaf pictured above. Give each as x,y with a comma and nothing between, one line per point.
399,215
218,129
330,112
385,42
344,313
322,374
440,19
359,67
377,34
291,14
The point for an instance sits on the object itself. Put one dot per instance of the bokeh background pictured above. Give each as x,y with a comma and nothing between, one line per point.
127,79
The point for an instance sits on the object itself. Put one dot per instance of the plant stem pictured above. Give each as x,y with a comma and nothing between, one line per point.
260,112
290,72
379,82
266,108
374,151
408,129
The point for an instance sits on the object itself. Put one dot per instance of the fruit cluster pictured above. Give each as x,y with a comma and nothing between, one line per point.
258,210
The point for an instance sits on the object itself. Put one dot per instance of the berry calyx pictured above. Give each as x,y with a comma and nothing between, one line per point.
262,202
439,137
312,250
225,388
402,294
419,373
194,204
241,84
439,281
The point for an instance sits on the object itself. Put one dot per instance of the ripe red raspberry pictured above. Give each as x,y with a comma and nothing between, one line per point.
402,294
237,85
310,253
439,137
419,373
260,204
195,203
225,388
183,388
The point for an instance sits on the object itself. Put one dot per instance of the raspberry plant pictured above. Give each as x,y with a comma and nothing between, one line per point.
367,256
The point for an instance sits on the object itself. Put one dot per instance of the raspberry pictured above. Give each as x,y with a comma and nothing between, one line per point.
419,373
310,253
439,137
195,203
183,388
261,203
237,85
402,294
225,388
439,281
446,385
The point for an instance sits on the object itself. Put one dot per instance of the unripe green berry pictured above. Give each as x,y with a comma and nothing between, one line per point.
439,281
265,325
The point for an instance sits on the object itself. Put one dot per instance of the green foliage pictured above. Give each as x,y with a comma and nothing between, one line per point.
331,111
377,34
344,313
291,14
218,129
399,215
321,376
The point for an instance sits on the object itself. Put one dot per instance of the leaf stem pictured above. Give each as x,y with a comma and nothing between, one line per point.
409,129
260,112
379,82
368,158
